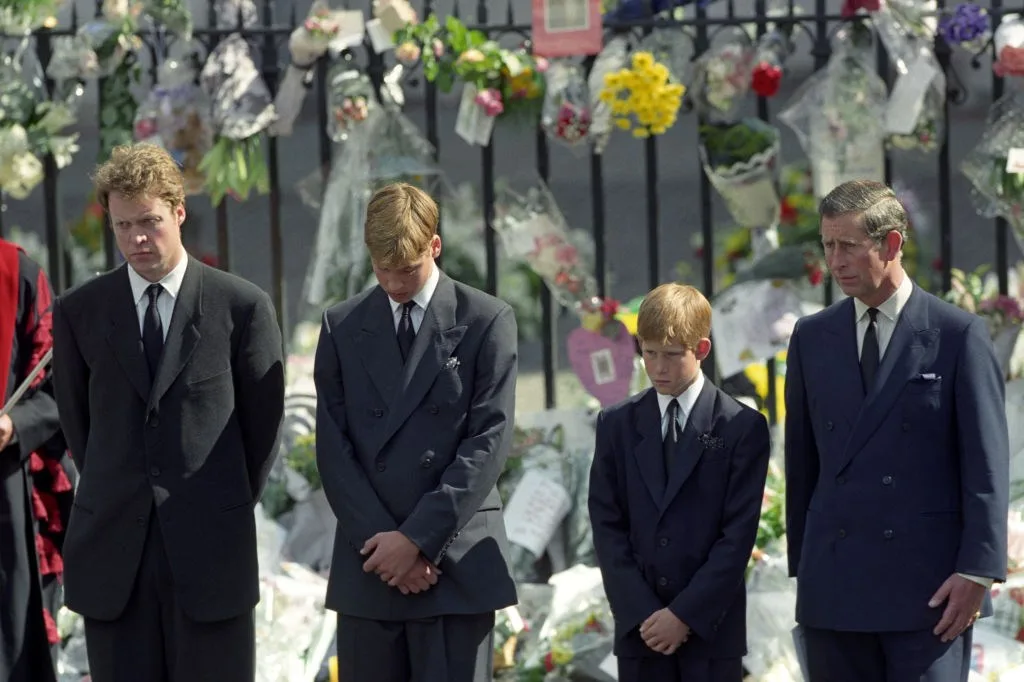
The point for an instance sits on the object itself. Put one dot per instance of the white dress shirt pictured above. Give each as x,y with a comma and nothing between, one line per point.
171,284
885,325
421,299
687,399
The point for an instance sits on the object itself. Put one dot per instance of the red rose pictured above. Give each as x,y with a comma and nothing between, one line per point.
850,7
549,662
815,275
766,79
787,212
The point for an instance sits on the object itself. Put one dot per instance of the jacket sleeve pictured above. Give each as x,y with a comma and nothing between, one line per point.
801,454
355,503
984,449
71,385
259,391
631,598
706,599
480,457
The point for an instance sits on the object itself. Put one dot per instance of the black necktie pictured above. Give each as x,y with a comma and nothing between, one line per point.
153,330
869,352
406,332
668,446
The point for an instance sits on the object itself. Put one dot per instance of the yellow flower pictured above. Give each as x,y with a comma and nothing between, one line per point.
660,71
607,96
641,133
642,60
658,130
623,123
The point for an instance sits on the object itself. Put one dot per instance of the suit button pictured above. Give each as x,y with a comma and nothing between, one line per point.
663,581
663,542
828,425
381,467
378,413
842,532
434,409
888,534
140,520
840,479
154,472
427,463
886,480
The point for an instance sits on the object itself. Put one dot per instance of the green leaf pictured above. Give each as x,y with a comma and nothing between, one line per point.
445,81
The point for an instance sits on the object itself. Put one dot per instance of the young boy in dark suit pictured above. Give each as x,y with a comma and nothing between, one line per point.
675,499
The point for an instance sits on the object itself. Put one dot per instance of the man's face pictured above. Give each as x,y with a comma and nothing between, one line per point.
148,234
858,263
672,368
403,282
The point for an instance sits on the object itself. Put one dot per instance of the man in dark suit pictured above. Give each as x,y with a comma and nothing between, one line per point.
415,382
170,385
897,461
675,498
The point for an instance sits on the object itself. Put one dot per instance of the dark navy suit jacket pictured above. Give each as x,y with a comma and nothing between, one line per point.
684,545
889,494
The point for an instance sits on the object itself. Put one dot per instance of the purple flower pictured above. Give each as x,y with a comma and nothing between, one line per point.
967,23
1007,306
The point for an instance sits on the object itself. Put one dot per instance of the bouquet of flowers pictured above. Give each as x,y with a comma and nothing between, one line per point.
769,63
724,75
739,159
968,26
174,15
566,114
1003,314
176,115
644,98
1009,46
350,101
612,59
20,17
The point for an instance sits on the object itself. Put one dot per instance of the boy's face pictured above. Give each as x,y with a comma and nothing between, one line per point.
402,283
672,368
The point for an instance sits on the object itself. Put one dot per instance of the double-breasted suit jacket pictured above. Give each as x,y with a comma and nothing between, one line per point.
418,448
193,446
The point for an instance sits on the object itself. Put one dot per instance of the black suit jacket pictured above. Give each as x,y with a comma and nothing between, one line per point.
198,442
682,543
418,449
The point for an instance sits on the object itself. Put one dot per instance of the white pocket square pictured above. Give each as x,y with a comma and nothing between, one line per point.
928,376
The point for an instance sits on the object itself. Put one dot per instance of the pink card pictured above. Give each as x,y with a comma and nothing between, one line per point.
567,28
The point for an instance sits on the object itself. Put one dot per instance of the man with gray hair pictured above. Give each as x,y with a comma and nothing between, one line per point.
897,461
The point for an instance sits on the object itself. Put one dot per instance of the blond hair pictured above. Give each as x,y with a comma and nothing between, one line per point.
401,221
674,314
140,170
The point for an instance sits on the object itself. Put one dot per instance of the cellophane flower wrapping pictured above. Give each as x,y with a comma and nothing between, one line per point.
968,26
566,116
915,117
517,628
997,178
723,75
323,30
72,63
176,116
1009,47
20,17
838,115
111,40
533,231
242,108
739,159
172,15
350,101
614,57
233,15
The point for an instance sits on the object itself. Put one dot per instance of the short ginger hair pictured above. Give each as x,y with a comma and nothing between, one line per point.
140,170
401,221
674,314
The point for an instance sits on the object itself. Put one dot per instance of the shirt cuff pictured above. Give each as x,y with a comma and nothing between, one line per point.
987,582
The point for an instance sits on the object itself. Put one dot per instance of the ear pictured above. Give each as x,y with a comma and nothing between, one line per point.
892,245
703,349
435,246
180,212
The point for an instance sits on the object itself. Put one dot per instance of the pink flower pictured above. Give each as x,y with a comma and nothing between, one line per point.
490,101
407,53
542,64
566,254
438,48
1010,62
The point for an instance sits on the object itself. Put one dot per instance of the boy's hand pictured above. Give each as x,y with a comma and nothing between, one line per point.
420,578
664,632
391,556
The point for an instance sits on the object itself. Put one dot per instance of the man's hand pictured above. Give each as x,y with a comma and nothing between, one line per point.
6,431
420,578
664,632
963,604
392,555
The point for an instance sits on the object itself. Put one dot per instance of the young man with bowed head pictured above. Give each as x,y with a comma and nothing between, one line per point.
675,499
415,382
169,379
897,461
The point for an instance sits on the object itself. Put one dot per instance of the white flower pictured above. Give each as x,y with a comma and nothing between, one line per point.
63,148
20,174
55,117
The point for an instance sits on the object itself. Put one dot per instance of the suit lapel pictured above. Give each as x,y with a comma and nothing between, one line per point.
125,337
183,334
647,450
844,366
436,340
378,344
910,344
690,450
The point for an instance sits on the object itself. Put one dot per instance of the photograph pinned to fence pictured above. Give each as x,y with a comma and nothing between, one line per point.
603,365
567,28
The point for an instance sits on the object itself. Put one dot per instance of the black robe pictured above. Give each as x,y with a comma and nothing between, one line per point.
35,479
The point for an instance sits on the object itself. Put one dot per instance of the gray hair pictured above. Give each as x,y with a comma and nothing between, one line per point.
876,204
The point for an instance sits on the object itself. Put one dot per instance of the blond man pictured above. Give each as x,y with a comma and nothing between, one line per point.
171,393
675,499
416,393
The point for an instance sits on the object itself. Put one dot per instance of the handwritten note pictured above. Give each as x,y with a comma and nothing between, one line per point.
533,513
1015,160
472,123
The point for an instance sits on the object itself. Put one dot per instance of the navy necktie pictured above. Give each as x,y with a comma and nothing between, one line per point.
668,445
869,356
406,332
153,330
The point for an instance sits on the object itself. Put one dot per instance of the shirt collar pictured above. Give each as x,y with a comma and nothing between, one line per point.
171,282
423,296
893,306
687,399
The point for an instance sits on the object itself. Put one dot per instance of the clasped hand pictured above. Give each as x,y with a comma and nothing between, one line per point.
664,632
398,562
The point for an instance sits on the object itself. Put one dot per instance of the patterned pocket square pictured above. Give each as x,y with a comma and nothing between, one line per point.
452,363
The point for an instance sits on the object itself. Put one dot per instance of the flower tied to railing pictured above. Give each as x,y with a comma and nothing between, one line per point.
977,292
968,26
644,98
1009,47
